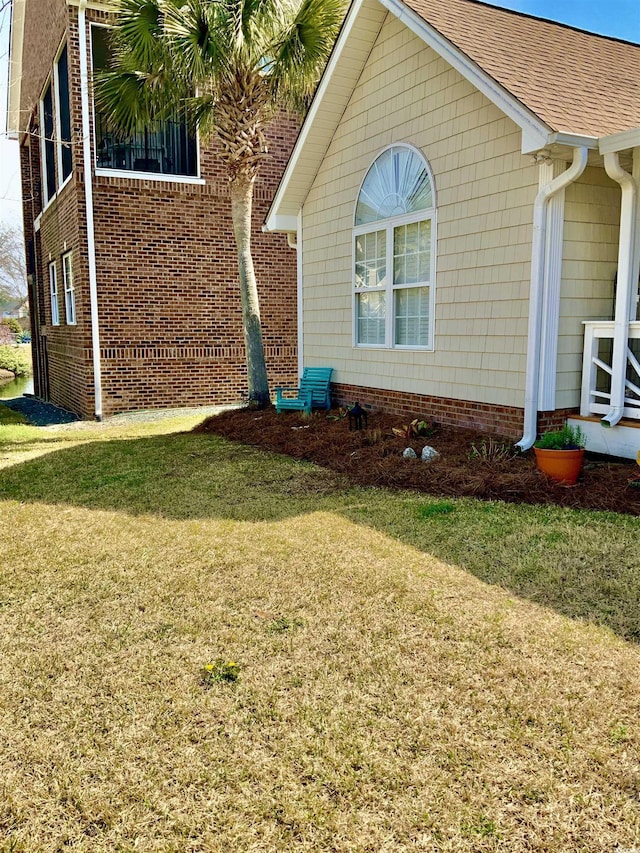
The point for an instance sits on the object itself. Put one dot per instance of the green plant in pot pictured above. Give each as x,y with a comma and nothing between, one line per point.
559,454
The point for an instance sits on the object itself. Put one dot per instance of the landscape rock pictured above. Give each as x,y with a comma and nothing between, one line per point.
429,453
409,453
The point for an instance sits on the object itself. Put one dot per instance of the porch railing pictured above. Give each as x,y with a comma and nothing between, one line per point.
596,369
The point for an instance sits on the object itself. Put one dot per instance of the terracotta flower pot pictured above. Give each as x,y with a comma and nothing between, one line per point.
561,466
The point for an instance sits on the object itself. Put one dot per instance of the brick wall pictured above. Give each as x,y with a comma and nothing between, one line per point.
168,293
505,421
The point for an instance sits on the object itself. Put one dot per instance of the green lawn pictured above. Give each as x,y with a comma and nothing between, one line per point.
413,673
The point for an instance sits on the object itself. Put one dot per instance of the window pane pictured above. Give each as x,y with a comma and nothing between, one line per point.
371,314
412,317
53,290
371,267
69,292
397,182
65,114
412,262
49,144
167,148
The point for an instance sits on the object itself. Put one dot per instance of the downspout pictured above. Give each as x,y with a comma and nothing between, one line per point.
88,197
540,207
294,241
624,291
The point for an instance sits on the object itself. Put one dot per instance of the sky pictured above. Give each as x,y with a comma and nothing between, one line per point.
617,18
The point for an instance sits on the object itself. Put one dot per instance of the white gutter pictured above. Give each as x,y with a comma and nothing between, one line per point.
625,287
88,197
540,207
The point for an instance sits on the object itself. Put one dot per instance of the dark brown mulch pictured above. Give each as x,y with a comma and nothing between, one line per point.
373,457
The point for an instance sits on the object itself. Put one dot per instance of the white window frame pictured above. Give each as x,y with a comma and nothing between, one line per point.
130,174
69,289
57,124
389,288
53,294
46,198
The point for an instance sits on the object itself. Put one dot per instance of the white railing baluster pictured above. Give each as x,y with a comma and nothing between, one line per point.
594,332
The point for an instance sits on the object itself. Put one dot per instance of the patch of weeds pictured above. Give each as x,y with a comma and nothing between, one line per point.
619,733
431,510
481,825
373,436
532,796
282,624
218,671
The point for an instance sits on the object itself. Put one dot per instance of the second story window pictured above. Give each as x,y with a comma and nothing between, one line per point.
63,117
168,148
48,143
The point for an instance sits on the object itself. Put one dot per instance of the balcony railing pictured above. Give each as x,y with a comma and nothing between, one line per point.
170,149
596,369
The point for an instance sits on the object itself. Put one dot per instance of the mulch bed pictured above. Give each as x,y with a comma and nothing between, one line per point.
373,457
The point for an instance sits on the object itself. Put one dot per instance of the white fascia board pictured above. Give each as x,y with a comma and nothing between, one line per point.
327,110
281,223
620,141
535,133
573,140
16,43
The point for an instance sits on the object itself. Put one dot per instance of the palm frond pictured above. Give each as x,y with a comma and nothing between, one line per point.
138,32
304,49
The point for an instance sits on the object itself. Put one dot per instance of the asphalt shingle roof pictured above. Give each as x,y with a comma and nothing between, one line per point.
574,81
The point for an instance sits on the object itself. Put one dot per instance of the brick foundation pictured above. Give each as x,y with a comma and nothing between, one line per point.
505,421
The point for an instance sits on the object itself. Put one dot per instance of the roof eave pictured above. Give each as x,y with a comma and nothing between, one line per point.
620,141
302,167
535,133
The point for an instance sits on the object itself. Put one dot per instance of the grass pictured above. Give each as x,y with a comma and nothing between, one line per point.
8,416
389,673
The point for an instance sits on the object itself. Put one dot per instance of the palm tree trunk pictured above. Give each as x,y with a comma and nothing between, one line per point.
241,191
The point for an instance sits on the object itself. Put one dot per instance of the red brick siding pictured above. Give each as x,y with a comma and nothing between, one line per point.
168,294
506,421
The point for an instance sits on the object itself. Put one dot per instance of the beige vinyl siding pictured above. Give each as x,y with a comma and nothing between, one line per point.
484,191
590,260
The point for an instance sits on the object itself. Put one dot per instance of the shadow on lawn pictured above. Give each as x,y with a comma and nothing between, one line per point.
583,564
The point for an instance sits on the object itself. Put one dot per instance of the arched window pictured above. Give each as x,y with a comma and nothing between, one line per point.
394,252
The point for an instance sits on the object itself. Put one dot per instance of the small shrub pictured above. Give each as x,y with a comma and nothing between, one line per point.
339,414
567,438
14,360
219,670
13,325
492,450
415,429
